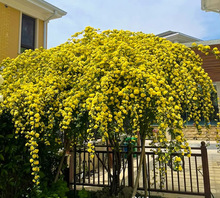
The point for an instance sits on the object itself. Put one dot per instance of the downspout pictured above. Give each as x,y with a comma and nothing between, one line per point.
45,28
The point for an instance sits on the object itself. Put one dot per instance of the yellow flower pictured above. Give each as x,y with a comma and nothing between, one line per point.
136,91
35,169
120,93
37,115
36,162
194,98
143,95
148,99
106,134
32,148
35,156
177,159
37,135
35,151
132,95
157,88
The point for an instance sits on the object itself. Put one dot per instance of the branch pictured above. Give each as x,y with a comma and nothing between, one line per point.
61,161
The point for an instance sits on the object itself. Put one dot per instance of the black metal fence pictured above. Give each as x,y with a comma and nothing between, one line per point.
99,171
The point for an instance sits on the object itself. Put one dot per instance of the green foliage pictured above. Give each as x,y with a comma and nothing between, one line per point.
124,192
15,169
56,190
105,192
49,159
15,178
83,193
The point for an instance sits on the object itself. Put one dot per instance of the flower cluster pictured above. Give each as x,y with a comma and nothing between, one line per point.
206,49
1,82
215,51
105,83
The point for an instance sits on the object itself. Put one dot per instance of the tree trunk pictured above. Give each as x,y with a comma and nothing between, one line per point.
61,161
139,170
142,164
116,165
145,174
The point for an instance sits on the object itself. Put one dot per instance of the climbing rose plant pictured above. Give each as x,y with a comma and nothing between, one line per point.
106,83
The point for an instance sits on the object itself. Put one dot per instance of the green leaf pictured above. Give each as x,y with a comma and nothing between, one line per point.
2,157
4,173
10,136
6,149
27,170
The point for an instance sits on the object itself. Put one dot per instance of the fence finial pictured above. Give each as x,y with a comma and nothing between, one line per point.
203,144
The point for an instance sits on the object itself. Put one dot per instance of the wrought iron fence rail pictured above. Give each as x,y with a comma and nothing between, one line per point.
100,170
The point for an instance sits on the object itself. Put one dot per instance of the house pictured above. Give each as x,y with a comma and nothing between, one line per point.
23,25
211,65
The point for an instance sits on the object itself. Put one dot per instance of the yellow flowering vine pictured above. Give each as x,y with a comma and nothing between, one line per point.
106,83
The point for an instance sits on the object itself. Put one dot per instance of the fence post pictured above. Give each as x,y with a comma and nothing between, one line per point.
71,172
130,166
205,167
74,168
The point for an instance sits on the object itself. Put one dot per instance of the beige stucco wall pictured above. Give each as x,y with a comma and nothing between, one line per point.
9,31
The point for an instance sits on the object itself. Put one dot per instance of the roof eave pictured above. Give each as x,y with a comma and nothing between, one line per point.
181,38
36,8
49,7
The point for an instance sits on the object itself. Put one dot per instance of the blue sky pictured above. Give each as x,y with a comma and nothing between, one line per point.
148,16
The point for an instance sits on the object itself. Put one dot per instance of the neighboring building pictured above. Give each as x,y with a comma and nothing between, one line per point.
211,65
23,25
178,37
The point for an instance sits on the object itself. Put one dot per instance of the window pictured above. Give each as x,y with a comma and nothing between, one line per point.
27,33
